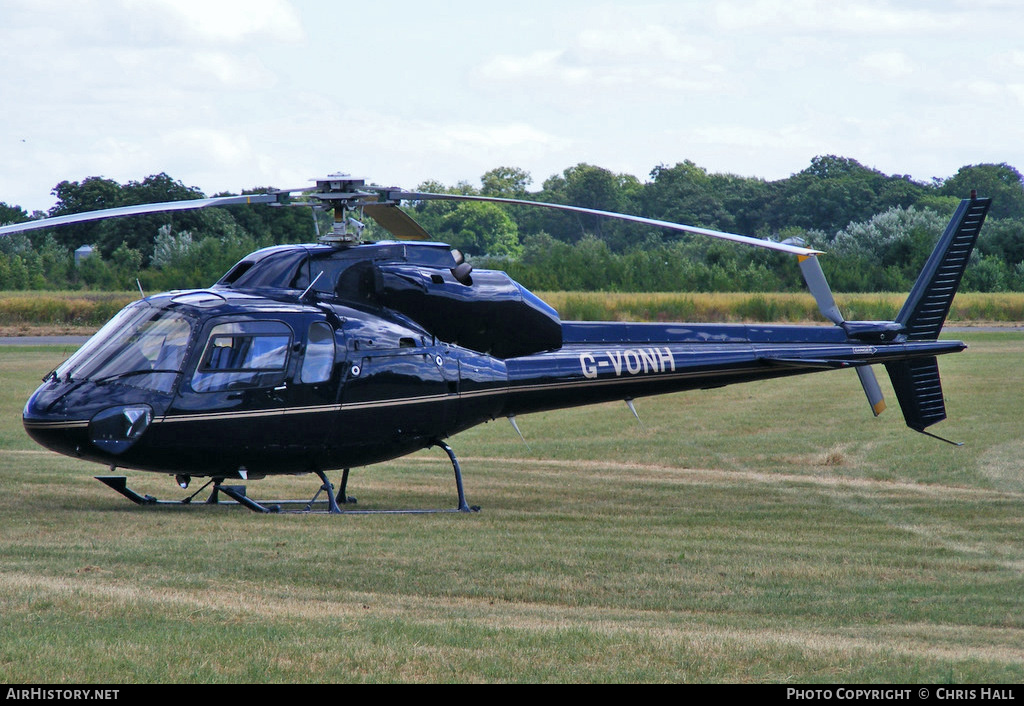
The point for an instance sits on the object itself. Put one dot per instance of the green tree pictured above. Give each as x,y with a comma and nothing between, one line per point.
480,228
94,272
139,232
885,252
13,272
1000,182
987,273
505,182
57,263
592,187
431,214
90,194
170,248
835,191
12,214
125,264
293,224
686,194
1003,238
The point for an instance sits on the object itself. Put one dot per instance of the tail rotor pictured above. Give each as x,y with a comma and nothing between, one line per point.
818,286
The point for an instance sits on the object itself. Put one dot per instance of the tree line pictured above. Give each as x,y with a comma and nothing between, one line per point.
876,228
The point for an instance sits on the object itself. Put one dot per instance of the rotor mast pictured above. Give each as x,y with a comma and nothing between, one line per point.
344,195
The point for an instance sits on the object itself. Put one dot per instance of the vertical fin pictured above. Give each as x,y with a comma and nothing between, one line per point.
925,310
919,390
916,382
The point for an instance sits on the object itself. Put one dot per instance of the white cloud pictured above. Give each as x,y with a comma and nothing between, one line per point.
864,18
888,65
245,71
154,22
228,95
507,67
641,43
604,61
405,152
230,21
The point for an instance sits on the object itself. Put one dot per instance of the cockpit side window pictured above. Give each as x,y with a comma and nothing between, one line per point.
319,359
243,354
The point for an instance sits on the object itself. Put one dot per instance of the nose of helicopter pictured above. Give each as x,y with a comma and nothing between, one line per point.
46,419
70,418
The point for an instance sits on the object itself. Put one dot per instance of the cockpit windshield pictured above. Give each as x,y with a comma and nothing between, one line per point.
142,346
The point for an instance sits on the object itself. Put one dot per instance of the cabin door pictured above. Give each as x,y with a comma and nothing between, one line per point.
403,397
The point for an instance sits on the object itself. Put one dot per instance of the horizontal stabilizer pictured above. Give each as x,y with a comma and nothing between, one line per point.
819,363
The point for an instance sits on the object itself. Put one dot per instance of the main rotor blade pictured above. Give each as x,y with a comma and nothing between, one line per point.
747,240
189,205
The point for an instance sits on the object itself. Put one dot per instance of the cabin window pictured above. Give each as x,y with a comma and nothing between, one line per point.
237,271
243,354
319,360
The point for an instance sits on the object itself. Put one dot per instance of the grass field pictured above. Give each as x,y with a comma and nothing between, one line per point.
772,532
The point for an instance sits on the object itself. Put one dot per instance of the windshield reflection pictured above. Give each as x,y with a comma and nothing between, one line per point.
142,346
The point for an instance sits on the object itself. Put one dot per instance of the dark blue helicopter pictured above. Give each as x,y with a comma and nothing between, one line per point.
309,358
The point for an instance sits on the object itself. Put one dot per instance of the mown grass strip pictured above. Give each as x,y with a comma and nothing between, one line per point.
754,533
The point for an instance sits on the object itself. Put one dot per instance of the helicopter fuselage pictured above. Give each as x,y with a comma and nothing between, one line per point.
306,358
239,381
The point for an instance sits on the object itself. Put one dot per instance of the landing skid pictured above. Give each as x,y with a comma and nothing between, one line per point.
331,504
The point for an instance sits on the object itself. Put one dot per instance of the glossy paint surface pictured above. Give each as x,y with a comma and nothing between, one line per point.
391,387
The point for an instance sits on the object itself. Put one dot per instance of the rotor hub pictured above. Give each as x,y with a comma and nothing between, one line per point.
344,194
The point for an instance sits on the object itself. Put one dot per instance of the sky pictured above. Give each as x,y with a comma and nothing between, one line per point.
226,95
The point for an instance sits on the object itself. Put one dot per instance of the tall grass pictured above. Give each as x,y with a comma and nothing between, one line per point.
759,307
93,309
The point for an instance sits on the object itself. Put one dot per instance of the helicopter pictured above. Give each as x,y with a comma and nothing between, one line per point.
343,353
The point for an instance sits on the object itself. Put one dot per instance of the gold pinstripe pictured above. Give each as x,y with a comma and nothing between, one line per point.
397,402
68,424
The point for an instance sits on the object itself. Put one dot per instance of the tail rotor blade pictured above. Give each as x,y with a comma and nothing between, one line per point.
815,278
870,384
818,285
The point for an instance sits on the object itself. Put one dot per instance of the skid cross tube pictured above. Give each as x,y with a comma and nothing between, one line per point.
238,495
